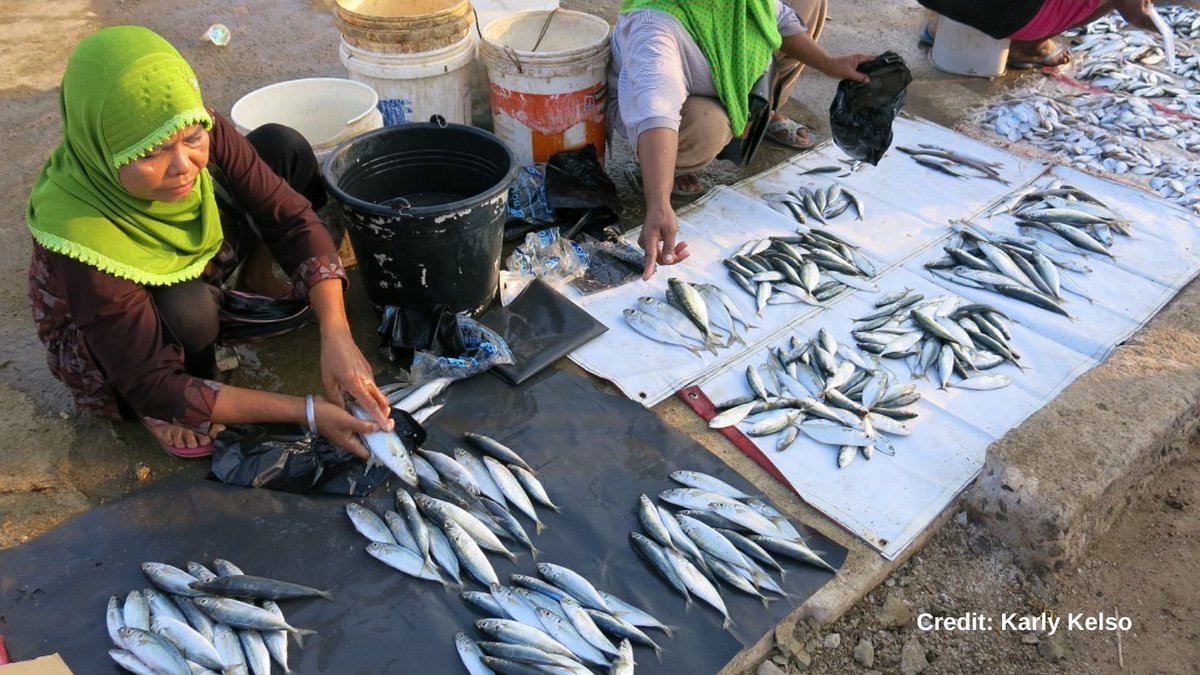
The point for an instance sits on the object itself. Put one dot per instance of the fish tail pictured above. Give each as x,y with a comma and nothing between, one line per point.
328,595
539,527
299,634
669,630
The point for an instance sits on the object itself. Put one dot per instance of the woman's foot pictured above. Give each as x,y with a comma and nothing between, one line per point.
687,185
182,442
1029,55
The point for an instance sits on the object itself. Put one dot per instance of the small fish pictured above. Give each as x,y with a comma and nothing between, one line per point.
703,481
533,487
259,588
170,579
154,650
471,655
572,582
512,490
498,450
367,523
239,614
656,329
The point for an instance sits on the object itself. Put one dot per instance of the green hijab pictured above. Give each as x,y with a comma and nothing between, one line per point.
736,36
125,90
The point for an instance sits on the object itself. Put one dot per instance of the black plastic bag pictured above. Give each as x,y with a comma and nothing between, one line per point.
282,457
861,114
541,326
432,342
246,317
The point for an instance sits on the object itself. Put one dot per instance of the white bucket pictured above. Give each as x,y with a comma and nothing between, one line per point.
327,111
413,87
551,99
963,50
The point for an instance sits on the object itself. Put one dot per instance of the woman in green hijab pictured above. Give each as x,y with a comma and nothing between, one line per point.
132,234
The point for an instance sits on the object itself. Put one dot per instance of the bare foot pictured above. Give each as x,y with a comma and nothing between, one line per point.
687,185
181,437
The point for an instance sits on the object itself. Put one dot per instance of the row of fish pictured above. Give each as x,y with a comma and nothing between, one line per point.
954,162
827,391
942,336
1107,133
810,267
466,507
560,623
201,621
821,205
721,536
693,316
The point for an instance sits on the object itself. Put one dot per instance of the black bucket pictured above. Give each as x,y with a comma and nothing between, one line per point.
425,206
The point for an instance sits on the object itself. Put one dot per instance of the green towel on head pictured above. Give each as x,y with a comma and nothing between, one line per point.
736,36
125,91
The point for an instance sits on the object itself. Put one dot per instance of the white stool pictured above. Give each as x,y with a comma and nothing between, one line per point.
962,50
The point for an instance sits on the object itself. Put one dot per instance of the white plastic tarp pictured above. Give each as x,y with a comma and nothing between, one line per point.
911,212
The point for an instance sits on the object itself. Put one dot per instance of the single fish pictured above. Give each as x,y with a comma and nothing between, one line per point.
515,632
259,588
129,662
258,657
443,553
190,643
162,606
452,473
698,584
703,481
239,614
533,487
526,654
634,616
795,549
479,472
276,640
498,450
155,651
114,619
469,554
657,557
562,631
573,583
387,449
512,490
367,523
229,647
471,655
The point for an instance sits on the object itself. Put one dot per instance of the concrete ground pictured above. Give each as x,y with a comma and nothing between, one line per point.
1090,461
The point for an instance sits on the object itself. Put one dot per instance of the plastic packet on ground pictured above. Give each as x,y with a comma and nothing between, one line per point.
527,195
434,342
861,114
547,255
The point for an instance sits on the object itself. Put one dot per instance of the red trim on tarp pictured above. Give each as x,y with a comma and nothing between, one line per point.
702,406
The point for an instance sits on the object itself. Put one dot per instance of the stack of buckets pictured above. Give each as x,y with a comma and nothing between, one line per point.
417,54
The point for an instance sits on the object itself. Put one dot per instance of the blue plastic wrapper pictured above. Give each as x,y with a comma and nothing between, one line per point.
547,255
527,195
484,349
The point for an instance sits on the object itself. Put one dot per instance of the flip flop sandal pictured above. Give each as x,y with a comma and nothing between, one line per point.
185,452
925,37
1046,61
681,192
787,132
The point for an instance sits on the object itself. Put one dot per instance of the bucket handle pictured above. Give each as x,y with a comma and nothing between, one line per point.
438,120
512,53
401,205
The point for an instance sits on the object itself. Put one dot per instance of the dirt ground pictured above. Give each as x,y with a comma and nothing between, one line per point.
58,463
1144,569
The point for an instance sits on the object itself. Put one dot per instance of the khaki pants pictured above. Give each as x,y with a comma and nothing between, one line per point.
704,128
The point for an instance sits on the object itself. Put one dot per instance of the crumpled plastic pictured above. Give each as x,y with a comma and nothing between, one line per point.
861,115
246,317
283,457
433,342
549,256
527,195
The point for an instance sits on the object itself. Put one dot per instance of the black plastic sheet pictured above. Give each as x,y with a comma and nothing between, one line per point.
540,326
861,115
246,317
595,453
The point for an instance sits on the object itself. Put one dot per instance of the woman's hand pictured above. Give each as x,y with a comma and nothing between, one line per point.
1136,12
658,240
346,373
341,428
845,67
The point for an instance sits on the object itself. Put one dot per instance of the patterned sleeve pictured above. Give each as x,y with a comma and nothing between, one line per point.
285,219
123,336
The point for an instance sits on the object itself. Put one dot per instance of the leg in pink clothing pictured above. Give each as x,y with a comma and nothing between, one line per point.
1033,44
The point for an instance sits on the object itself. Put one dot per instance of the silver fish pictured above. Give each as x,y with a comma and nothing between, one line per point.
170,579
387,449
498,450
573,583
368,524
155,651
471,655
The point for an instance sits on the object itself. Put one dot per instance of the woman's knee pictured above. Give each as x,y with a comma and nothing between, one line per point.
191,313
291,157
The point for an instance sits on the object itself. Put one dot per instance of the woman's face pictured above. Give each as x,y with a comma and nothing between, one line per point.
167,173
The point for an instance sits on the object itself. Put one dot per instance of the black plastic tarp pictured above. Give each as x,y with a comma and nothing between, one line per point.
595,453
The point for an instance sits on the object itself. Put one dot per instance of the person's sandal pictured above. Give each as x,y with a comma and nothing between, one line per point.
787,132
185,452
1054,59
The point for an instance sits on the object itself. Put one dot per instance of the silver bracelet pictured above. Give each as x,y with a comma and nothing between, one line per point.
310,411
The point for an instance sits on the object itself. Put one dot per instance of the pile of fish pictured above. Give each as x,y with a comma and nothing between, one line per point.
1113,40
953,162
827,391
560,623
693,316
942,336
810,267
1052,222
1108,133
721,534
462,510
822,205
199,621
